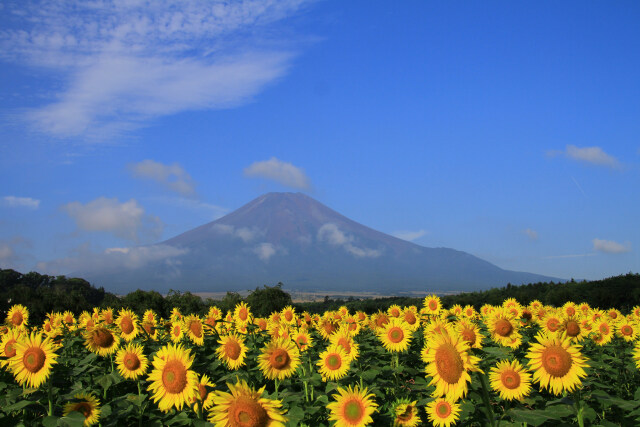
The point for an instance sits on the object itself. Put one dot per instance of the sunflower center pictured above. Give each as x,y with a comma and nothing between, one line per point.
202,391
102,338
433,306
556,360
353,411
232,350
510,379
526,314
504,328
410,318
449,363
47,327
17,318
443,409
344,343
626,330
246,412
469,336
395,312
84,408
329,328
33,359
147,327
9,349
334,361
570,311
131,361
126,325
279,359
174,376
553,325
288,316
604,328
382,320
242,314
395,335
406,415
573,329
196,329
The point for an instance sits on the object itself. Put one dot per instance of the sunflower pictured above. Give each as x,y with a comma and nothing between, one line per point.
352,407
288,315
394,310
334,363
627,329
503,328
570,327
557,364
550,322
510,379
603,331
437,327
8,345
172,382
636,354
569,309
69,320
470,332
432,304
87,404
245,406
204,396
127,321
33,360
279,359
131,361
50,329
345,340
194,328
101,340
395,335
150,329
405,413
469,312
443,412
242,314
212,317
176,333
410,317
456,310
448,363
18,316
107,315
326,327
232,351
303,339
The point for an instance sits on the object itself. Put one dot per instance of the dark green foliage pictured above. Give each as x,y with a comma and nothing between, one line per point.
265,301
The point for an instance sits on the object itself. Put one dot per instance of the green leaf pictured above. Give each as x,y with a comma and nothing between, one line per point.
18,406
73,419
295,415
50,421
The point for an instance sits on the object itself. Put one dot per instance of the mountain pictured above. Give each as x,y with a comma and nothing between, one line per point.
294,239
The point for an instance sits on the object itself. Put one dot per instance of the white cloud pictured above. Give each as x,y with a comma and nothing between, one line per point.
12,252
126,220
21,202
173,177
264,251
279,171
124,63
532,234
6,252
332,234
611,247
410,235
244,233
592,155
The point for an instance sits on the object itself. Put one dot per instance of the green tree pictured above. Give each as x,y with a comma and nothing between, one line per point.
265,301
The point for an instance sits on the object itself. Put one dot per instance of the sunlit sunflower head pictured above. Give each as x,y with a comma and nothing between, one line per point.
150,330
242,314
232,351
432,304
195,330
326,327
245,406
279,359
127,321
470,332
597,315
584,308
175,315
176,331
510,379
551,322
205,395
636,354
405,413
569,309
449,362
394,310
50,328
352,407
456,310
411,317
85,403
353,325
443,412
469,312
303,339
395,336
614,314
18,316
361,316
627,328
107,315
33,360
534,305
344,339
173,384
571,328
503,327
635,312
603,331
131,361
8,345
261,323
557,364
486,310
437,326
334,363
101,340
288,315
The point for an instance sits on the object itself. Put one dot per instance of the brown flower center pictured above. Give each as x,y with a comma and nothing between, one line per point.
573,329
344,343
246,412
17,319
449,363
443,409
503,328
196,329
102,338
510,379
329,328
353,411
232,349
395,312
288,316
382,320
410,318
174,376
33,359
9,349
334,361
395,335
242,314
84,408
202,391
553,324
279,359
433,305
556,361
626,330
604,328
131,361
126,325
468,335
406,415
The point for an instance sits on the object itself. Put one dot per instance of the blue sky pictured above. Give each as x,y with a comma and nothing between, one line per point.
508,130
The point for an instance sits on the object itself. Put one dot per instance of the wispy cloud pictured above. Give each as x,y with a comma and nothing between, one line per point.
21,202
532,234
126,220
245,234
331,233
410,235
173,177
124,63
592,155
611,247
282,172
264,251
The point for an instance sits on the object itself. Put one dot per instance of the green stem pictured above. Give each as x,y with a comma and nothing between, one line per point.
50,413
140,402
485,399
277,385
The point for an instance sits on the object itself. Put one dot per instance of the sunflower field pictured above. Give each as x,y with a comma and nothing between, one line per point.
507,365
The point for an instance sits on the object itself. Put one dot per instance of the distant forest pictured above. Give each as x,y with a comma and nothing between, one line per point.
43,294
